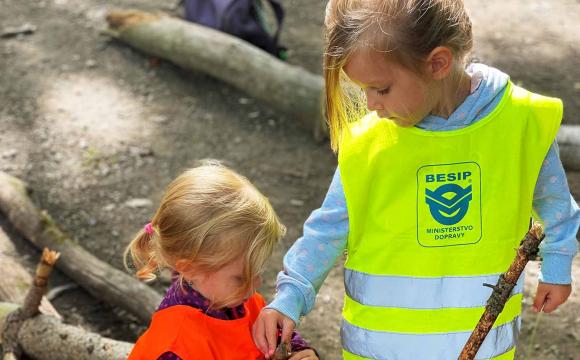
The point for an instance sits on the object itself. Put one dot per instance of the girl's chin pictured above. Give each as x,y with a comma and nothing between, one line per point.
401,122
397,120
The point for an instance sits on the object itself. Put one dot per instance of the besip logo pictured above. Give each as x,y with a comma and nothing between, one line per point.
448,211
449,202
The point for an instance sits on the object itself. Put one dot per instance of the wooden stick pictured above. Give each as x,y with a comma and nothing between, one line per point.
13,322
39,284
283,351
15,279
501,291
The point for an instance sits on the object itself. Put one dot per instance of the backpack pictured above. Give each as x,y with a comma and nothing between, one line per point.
246,19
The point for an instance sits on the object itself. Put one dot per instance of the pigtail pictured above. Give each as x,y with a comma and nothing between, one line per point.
140,255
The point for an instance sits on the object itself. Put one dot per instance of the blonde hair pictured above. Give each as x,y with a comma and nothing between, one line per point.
406,30
211,216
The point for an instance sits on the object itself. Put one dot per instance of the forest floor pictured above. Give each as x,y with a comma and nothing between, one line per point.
98,130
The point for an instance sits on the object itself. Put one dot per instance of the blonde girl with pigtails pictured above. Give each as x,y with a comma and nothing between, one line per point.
439,171
214,230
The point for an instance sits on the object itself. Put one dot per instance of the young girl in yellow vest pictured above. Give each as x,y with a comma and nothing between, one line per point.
434,189
215,231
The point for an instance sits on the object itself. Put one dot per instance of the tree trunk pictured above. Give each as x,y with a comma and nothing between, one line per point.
16,280
227,58
99,278
44,337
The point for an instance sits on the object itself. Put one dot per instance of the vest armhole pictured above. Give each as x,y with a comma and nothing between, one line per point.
176,318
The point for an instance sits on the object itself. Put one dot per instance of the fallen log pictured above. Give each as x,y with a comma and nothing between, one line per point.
15,279
23,330
236,62
569,144
44,337
227,58
99,278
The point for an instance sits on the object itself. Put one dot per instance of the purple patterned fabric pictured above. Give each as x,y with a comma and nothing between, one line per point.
186,295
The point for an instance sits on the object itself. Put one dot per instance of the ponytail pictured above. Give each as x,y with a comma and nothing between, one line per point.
142,252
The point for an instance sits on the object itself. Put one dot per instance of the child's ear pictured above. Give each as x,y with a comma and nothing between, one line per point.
183,266
439,62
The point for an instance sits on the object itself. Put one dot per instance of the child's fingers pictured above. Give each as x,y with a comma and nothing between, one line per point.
550,296
271,328
540,299
287,329
258,331
550,304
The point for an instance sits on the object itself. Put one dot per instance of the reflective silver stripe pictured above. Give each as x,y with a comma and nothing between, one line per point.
382,345
420,292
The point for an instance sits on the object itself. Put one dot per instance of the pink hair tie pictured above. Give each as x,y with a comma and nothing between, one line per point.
148,228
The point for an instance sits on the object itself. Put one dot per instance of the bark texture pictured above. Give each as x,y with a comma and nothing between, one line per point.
528,250
44,337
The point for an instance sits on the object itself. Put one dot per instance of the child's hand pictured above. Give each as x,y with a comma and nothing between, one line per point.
550,296
307,354
265,330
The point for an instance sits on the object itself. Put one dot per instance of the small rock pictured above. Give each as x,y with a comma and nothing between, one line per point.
159,119
253,115
109,207
244,101
139,151
272,122
296,202
138,203
90,63
105,170
18,31
9,154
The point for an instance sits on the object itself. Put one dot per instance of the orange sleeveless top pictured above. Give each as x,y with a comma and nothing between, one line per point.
192,335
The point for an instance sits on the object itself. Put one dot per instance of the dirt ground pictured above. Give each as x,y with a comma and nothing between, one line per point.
98,131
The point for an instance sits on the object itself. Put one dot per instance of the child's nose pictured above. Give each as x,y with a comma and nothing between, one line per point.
373,103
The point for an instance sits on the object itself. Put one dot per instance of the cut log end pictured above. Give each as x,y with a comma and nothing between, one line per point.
119,19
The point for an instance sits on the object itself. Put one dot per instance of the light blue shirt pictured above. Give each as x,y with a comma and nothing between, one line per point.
312,256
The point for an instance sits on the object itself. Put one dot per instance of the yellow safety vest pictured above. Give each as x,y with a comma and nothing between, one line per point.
433,216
